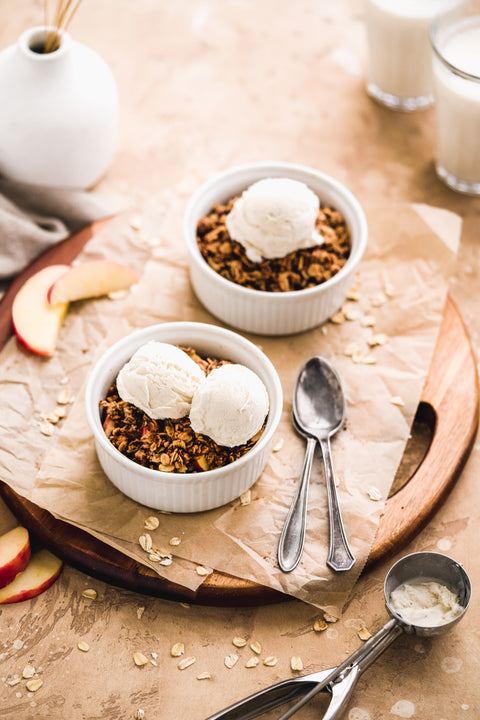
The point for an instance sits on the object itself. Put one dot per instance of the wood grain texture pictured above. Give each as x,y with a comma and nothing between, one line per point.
449,406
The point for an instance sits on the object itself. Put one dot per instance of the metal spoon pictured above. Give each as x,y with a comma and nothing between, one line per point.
318,412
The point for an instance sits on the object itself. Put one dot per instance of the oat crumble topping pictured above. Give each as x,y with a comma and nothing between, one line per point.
298,270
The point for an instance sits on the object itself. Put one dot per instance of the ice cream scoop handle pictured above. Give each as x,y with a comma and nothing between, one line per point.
292,539
340,556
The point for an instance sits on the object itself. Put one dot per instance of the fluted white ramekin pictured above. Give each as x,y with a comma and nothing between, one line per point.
272,313
183,492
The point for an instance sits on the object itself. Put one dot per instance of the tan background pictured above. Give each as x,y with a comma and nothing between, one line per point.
204,85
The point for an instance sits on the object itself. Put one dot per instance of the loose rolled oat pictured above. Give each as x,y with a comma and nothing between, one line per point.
270,661
139,659
177,650
34,685
231,660
256,647
252,662
296,663
186,662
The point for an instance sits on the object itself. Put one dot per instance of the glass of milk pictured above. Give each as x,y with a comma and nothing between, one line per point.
456,70
399,51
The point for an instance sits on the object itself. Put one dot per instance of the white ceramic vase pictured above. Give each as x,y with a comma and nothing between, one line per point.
58,113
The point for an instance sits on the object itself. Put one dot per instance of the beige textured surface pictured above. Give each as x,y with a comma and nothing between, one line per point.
204,85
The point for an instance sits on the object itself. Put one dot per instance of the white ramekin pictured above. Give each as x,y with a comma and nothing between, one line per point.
269,313
183,492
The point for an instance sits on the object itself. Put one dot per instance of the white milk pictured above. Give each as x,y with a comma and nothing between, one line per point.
400,56
458,107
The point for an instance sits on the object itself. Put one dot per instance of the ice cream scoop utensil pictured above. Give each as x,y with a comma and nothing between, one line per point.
319,412
340,681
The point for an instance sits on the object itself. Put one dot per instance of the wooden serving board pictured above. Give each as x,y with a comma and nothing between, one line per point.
442,438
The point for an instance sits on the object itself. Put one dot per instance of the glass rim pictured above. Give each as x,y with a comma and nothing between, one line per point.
435,28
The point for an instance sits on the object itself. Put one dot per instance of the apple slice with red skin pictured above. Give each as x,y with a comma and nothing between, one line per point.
41,572
35,322
14,554
91,279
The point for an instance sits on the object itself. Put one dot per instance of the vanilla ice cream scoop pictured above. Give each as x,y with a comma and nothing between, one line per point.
274,217
230,405
160,379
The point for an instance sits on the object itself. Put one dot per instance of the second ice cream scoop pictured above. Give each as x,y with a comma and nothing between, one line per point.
230,405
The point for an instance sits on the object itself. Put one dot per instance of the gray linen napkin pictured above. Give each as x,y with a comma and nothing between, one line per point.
33,218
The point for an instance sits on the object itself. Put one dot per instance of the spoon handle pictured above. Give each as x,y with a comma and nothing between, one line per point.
340,556
292,539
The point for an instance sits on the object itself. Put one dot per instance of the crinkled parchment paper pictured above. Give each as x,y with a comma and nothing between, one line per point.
401,283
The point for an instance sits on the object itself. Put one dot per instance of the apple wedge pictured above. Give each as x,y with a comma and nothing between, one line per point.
91,279
35,322
14,554
41,572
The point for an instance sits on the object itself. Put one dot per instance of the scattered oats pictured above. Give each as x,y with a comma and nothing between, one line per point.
165,512
166,561
185,605
374,493
34,685
14,681
135,222
186,662
351,314
148,543
389,289
140,714
140,611
51,417
140,659
279,445
354,295
177,649
154,655
256,647
270,661
47,429
89,593
154,557
239,642
28,671
174,541
202,571
60,412
368,321
63,381
231,660
204,676
296,663
245,497
329,618
378,300
361,358
357,356
154,663
142,541
83,646
351,350
64,397
319,625
363,634
252,662
338,318
397,400
151,523
118,294
379,339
